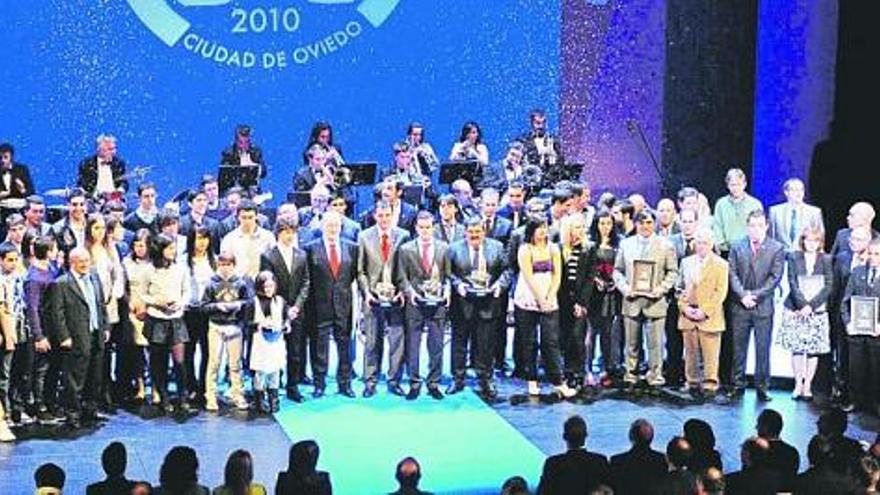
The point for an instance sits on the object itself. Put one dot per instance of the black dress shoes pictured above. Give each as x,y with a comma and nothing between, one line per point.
454,388
435,393
763,396
347,391
318,392
369,390
396,390
413,393
489,392
294,394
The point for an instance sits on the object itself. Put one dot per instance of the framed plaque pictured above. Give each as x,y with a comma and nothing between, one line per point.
643,276
863,316
810,286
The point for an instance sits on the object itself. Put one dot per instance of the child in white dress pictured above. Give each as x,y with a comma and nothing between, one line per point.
269,352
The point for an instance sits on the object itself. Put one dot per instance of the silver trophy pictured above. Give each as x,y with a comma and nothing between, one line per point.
479,279
385,290
432,290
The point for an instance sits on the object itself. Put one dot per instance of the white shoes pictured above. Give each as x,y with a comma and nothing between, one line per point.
565,391
6,434
211,405
241,404
534,388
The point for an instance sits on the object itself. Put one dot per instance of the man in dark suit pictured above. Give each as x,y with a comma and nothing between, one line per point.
70,231
842,266
499,229
823,477
288,263
103,172
678,479
403,214
479,275
515,209
332,266
145,215
501,174
15,178
380,285
408,475
113,460
861,214
197,216
79,322
781,457
448,228
577,470
756,477
640,466
756,266
316,171
424,266
864,349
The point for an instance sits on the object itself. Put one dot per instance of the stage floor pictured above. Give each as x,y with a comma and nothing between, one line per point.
463,444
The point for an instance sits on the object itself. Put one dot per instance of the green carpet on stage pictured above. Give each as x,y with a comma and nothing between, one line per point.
462,445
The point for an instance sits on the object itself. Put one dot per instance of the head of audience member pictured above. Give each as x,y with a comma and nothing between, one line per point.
513,158
688,220
114,459
794,191
319,198
408,473
331,226
383,215
712,481
602,231
141,488
247,216
574,432
448,208
515,485
769,424
35,212
537,232
573,230
239,471
735,179
638,202
49,479
645,223
425,227
415,133
819,451
562,202
169,222
861,214
146,196
474,232
402,157
754,452
704,242
285,230
489,198
179,470
665,213
471,132
76,205
15,228
832,423
688,198
678,453
699,435
303,458
463,192
243,137
538,122
756,226
211,187
859,239
7,153
80,261
105,145
641,434
516,195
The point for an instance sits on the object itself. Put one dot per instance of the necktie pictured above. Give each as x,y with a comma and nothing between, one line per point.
515,218
426,259
334,260
872,275
91,300
792,226
475,258
487,224
385,247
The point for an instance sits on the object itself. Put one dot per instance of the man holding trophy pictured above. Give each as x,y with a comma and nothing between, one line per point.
644,271
860,315
479,275
378,280
424,271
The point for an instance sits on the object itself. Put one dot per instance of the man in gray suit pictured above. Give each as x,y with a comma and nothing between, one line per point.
79,323
379,282
789,219
756,265
645,305
424,267
476,312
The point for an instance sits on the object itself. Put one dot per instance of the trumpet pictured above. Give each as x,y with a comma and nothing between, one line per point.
546,150
336,176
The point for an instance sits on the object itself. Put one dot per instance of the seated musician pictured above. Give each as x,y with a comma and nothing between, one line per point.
103,173
407,173
422,152
500,175
15,178
322,135
541,147
242,151
470,145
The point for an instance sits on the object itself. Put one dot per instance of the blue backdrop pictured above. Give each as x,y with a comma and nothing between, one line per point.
137,69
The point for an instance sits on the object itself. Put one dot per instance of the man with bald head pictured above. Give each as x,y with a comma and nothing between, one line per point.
861,214
640,466
408,474
79,329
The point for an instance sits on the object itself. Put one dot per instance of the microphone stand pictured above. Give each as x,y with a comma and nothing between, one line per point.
638,135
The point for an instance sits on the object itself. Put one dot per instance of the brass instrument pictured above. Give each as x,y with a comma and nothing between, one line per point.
532,175
546,150
336,176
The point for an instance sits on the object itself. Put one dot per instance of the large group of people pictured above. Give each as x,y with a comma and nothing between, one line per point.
112,297
690,465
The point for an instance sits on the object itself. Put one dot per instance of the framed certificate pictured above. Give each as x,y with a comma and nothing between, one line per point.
643,276
863,316
810,286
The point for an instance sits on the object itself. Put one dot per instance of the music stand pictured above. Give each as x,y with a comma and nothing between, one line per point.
414,194
362,173
458,169
301,199
244,176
